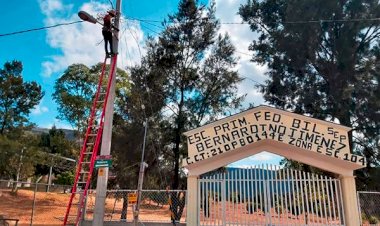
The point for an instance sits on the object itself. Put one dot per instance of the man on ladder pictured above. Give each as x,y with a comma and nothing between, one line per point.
107,32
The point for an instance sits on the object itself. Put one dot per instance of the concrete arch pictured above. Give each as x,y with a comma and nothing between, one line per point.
311,141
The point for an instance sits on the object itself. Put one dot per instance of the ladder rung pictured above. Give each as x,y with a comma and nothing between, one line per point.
87,156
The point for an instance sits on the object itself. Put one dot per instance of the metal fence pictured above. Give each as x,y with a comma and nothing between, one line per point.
369,206
26,203
33,205
269,196
156,206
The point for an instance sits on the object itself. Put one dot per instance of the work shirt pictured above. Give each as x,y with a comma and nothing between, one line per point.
107,22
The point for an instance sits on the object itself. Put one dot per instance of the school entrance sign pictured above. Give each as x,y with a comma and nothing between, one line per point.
318,143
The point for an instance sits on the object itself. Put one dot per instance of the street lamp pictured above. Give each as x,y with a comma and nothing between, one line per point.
87,17
105,149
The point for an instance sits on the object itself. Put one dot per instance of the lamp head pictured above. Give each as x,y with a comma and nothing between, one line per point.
86,17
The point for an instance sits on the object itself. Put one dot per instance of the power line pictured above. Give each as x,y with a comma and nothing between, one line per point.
283,22
244,53
226,23
40,28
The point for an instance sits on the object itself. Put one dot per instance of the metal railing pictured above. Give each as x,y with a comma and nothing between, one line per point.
269,196
33,205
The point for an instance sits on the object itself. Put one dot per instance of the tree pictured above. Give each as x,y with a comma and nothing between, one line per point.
19,157
18,97
55,144
323,61
186,79
74,92
193,65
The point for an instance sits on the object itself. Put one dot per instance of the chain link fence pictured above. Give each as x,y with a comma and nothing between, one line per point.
156,206
369,206
26,203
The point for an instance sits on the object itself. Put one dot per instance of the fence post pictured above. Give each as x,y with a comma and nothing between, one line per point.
359,207
34,204
350,204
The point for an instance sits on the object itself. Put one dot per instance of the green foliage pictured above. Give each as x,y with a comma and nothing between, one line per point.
55,144
21,155
17,97
65,178
328,70
75,90
8,148
73,93
186,79
373,220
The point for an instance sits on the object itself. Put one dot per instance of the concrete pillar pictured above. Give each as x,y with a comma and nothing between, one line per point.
192,201
350,202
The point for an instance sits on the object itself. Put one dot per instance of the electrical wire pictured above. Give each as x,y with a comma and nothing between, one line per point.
226,23
41,28
155,32
133,36
111,4
283,22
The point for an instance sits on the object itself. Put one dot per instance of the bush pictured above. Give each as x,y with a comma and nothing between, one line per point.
65,178
373,220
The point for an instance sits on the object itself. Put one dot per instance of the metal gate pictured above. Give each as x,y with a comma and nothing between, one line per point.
268,196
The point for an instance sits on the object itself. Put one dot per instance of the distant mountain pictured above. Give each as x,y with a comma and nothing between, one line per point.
69,134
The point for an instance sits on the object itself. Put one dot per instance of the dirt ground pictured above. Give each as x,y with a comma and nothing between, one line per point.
50,208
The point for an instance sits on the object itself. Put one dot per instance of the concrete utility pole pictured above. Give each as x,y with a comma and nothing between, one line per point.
101,186
143,165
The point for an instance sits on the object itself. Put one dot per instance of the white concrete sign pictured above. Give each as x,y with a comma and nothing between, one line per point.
267,123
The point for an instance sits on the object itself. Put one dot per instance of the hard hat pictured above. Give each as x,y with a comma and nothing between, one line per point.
112,12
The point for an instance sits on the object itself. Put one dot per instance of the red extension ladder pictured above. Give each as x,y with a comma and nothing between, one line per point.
91,145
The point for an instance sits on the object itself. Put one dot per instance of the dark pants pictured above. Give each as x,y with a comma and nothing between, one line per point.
107,35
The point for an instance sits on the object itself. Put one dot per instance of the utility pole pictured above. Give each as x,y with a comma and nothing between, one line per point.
105,149
51,167
143,165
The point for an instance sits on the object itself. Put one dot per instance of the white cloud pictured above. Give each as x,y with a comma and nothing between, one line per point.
241,36
82,43
39,109
263,156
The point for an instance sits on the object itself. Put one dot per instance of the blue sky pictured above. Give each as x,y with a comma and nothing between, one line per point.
46,54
